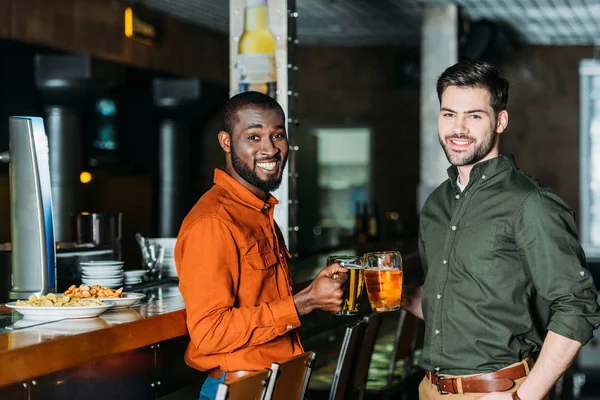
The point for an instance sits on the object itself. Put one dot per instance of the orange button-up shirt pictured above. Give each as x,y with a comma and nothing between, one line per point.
235,281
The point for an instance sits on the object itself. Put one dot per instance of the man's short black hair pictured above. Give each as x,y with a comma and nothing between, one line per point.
242,100
476,74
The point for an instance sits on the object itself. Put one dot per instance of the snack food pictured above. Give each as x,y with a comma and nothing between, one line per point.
85,292
53,300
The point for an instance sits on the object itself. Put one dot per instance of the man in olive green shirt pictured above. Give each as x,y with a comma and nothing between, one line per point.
506,277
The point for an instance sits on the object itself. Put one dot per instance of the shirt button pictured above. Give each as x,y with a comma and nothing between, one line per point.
445,262
439,296
280,255
454,227
457,196
582,273
482,176
288,327
437,332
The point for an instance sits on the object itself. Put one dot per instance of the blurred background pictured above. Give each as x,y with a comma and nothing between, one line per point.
132,114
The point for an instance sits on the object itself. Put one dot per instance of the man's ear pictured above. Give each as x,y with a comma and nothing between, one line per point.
502,121
225,141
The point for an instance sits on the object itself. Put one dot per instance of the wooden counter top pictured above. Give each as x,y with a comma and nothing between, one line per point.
41,350
36,351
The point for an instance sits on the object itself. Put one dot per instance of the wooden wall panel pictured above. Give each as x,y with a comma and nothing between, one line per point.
96,27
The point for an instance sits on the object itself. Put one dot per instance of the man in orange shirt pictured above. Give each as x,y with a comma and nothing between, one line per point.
231,257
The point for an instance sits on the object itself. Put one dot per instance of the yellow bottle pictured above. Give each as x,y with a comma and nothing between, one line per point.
256,52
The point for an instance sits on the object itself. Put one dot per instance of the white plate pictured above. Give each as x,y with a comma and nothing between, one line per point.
100,271
101,281
103,274
124,302
135,273
102,262
104,283
101,267
115,279
53,313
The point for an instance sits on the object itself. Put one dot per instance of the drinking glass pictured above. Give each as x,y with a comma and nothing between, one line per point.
354,284
383,278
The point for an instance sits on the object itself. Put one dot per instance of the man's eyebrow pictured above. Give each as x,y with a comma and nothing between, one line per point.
476,111
466,112
253,126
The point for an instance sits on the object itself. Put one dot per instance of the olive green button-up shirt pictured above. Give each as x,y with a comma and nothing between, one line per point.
503,263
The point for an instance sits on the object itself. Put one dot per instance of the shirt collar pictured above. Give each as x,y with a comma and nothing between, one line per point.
243,194
485,169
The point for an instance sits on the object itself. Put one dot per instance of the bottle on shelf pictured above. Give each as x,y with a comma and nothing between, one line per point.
256,51
358,229
374,228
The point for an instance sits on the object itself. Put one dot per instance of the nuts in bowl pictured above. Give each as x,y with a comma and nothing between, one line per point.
53,300
96,291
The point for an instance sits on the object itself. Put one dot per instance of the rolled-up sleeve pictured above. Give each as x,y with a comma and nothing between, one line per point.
548,244
209,277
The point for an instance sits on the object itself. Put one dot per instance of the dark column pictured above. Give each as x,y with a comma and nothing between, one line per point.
68,84
176,100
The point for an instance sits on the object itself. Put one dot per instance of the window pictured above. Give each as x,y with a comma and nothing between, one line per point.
334,171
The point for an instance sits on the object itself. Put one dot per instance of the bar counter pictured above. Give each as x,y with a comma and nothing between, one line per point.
67,347
131,353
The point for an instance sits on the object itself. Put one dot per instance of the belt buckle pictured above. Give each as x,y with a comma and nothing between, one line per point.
437,384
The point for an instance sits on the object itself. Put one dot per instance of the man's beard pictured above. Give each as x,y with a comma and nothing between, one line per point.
471,156
250,175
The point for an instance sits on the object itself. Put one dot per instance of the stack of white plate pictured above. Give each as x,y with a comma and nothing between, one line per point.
168,265
104,273
133,277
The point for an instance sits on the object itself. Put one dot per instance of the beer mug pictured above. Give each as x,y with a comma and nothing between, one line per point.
354,284
383,278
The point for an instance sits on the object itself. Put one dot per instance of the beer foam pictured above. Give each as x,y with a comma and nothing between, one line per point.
386,268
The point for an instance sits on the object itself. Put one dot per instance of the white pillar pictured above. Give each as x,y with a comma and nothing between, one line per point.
281,20
439,50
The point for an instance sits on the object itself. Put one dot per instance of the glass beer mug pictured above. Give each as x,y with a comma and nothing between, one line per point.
383,278
354,284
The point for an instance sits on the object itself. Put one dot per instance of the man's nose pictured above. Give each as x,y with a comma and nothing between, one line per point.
268,148
460,126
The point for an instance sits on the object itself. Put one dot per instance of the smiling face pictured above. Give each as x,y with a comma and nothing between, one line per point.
467,126
257,149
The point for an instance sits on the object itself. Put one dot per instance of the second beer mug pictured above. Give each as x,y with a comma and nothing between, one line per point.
383,278
354,285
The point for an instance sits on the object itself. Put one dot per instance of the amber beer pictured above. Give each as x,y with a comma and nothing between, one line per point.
354,284
383,278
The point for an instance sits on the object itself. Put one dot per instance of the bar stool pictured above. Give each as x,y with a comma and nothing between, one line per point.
390,369
249,387
289,379
347,360
358,387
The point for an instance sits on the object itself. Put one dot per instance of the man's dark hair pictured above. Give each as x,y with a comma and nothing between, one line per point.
242,100
476,74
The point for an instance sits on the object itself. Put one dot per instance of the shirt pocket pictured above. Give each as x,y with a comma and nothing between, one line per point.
475,248
260,270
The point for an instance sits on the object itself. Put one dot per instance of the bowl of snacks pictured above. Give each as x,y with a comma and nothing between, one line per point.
52,307
117,296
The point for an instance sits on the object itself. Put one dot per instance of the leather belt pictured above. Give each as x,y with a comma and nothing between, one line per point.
229,375
498,381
